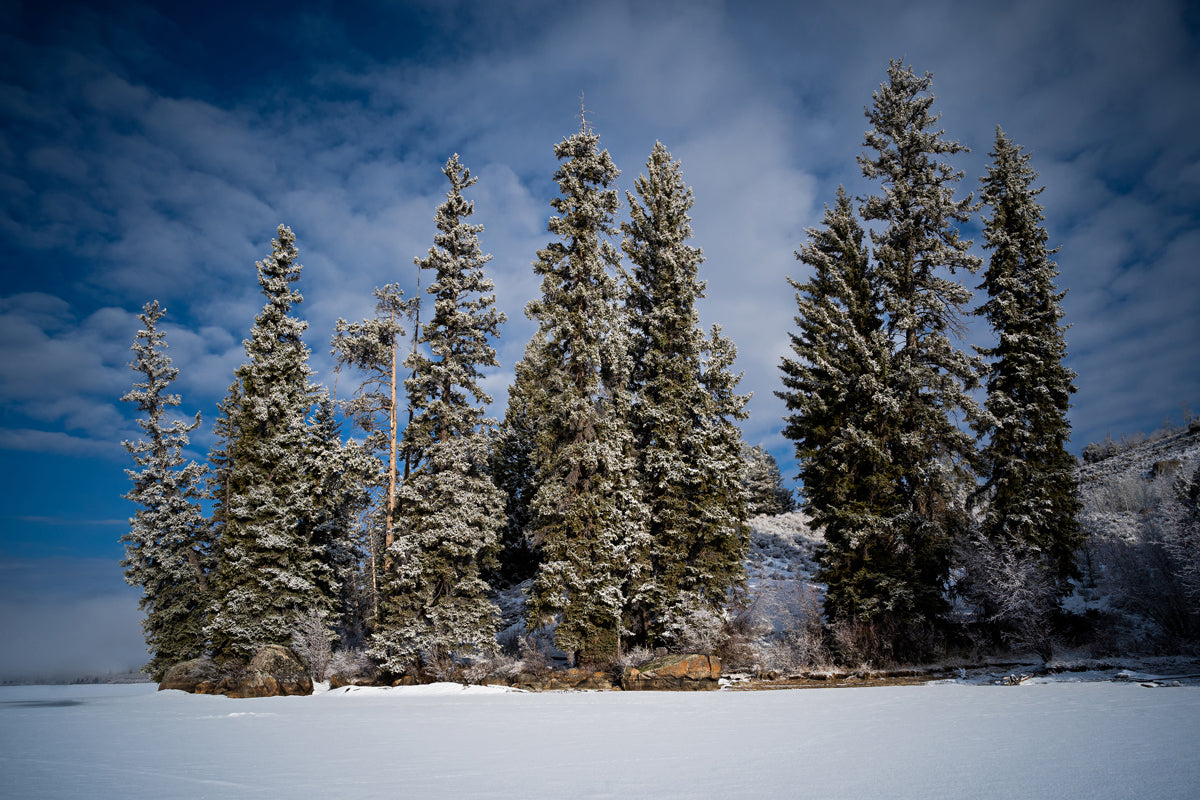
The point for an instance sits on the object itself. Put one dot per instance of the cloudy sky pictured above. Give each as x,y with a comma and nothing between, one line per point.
148,151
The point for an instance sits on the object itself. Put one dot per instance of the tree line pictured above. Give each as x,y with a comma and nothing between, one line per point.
617,483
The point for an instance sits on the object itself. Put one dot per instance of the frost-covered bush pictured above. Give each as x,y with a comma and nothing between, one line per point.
795,639
1013,591
1120,494
312,641
694,627
1144,551
635,657
351,661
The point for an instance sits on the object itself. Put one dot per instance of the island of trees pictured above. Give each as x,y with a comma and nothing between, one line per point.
613,498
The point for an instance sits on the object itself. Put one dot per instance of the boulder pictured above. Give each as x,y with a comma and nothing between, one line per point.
576,678
273,672
198,676
674,673
361,675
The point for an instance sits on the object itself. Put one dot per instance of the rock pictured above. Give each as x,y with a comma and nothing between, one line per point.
575,678
274,671
674,673
363,676
198,676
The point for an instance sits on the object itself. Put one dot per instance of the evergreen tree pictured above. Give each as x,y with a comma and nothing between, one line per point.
670,400
718,555
268,570
166,548
436,606
515,471
587,516
763,482
839,391
1032,495
666,347
917,251
341,474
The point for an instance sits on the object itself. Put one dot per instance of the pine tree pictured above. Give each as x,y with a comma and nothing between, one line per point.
839,391
1032,495
268,572
588,520
668,348
917,251
436,607
166,548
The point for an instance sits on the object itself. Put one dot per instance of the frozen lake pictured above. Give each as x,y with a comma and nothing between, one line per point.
1061,740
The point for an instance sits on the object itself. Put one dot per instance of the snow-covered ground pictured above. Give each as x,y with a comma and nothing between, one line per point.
1062,739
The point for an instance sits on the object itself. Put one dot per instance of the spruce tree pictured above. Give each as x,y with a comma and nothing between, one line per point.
166,548
587,516
917,252
668,347
718,555
1031,491
839,391
515,471
436,606
341,474
268,571
763,481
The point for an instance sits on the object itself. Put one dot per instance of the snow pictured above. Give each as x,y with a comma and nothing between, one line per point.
1062,739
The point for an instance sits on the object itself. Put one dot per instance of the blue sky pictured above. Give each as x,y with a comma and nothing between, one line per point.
148,151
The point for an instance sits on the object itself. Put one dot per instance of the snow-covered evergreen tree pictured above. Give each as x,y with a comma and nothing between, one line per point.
341,473
917,252
718,555
1031,492
514,470
436,606
670,400
763,481
268,571
843,413
588,520
166,548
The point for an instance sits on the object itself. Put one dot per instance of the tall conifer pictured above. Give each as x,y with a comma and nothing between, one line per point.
166,548
587,516
917,252
436,605
1031,493
514,469
268,571
843,416
678,458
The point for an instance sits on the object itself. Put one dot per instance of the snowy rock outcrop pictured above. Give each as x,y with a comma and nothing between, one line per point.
198,676
273,672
